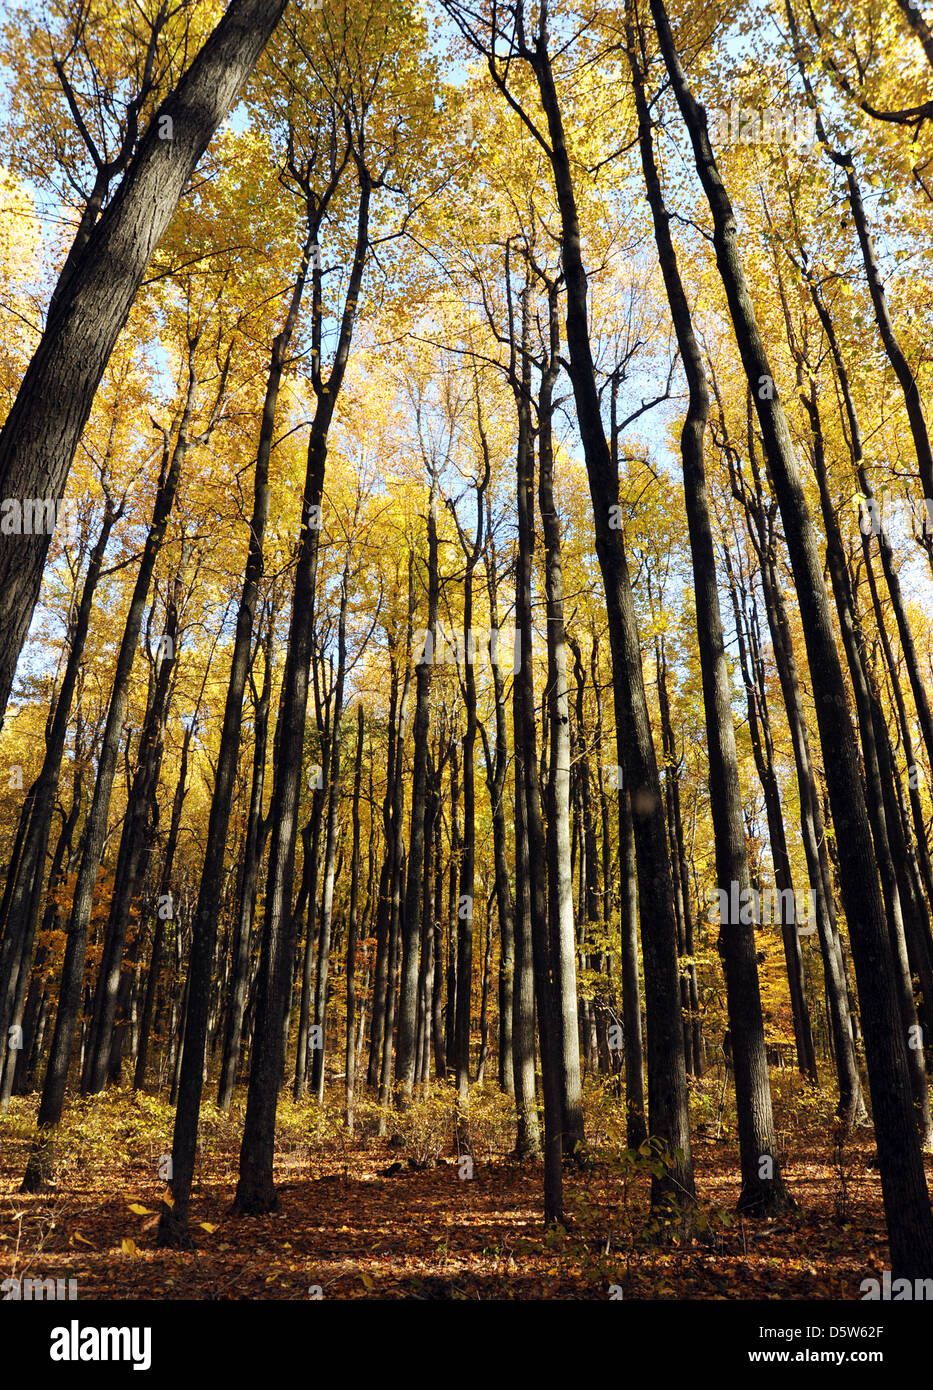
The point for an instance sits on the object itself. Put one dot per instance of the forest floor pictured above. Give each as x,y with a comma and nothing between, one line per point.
377,1218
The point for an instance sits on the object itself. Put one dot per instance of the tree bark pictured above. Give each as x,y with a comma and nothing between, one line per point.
560,878
95,829
907,1201
41,433
255,1189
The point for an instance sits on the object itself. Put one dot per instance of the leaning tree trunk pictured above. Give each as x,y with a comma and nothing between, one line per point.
41,433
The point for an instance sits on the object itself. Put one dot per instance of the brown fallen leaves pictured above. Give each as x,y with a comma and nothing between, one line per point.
345,1230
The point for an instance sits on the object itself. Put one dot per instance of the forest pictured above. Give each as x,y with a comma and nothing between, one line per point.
466,664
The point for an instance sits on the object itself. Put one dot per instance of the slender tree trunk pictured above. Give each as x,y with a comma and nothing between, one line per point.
411,916
255,1189
95,829
667,1081
907,1201
560,877
437,991
26,872
633,1053
330,849
256,828
677,848
386,878
453,917
535,849
353,925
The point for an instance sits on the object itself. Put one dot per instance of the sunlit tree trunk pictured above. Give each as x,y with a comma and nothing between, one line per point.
41,432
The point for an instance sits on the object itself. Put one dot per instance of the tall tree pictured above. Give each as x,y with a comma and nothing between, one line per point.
41,432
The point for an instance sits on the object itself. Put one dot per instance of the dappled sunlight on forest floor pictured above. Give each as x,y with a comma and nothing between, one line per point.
373,1219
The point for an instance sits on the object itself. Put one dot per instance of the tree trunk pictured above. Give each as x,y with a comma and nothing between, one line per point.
330,850
255,1189
667,1082
95,829
526,763
411,916
41,433
907,1201
353,925
560,878
248,885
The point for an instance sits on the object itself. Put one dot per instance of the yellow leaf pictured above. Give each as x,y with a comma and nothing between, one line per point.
206,1226
140,1211
367,1280
128,1246
83,1239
